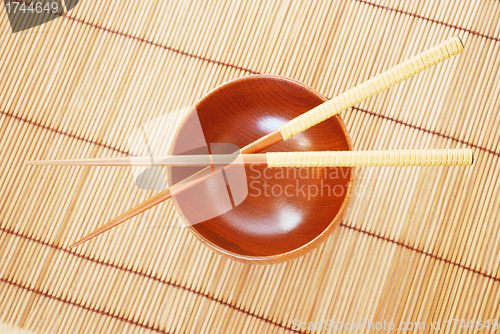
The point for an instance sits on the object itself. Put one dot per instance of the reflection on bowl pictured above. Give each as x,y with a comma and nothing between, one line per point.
281,213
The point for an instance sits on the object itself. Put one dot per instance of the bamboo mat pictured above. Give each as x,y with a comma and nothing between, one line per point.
417,244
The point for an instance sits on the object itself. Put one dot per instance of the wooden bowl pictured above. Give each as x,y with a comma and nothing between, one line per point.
289,219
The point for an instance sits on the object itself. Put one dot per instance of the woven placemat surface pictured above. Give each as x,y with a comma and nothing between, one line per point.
416,245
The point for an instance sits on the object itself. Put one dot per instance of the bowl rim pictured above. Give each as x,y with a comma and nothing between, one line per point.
286,256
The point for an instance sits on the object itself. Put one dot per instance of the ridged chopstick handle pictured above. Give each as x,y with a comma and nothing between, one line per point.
373,86
448,157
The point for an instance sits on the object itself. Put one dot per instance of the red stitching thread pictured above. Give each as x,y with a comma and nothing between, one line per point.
392,9
475,271
429,20
136,272
255,72
62,132
59,299
482,148
217,62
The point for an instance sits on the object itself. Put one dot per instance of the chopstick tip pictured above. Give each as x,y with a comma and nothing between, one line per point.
73,245
35,162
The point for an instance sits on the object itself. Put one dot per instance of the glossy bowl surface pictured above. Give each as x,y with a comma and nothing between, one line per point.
286,212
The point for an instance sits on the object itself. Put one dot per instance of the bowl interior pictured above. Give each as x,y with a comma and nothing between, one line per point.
279,210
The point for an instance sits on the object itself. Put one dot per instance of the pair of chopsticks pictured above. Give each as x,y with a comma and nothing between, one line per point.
446,157
314,116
